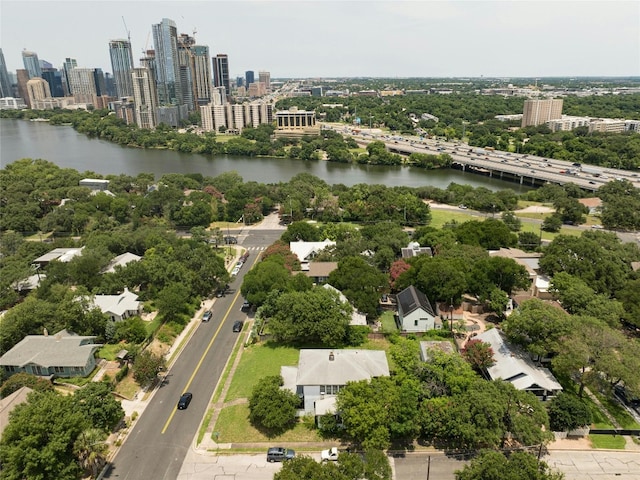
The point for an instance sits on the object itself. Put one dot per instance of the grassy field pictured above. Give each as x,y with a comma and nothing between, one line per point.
233,427
109,351
388,322
612,442
259,361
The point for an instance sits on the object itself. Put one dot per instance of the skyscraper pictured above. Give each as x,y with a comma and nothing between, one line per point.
165,41
201,74
69,63
31,63
5,83
37,89
265,77
249,77
221,72
185,42
144,97
54,79
121,64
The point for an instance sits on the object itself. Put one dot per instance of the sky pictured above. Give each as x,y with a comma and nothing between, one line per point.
331,38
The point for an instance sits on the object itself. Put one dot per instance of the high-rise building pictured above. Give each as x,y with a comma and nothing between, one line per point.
22,77
221,72
67,66
165,42
201,74
537,112
239,81
5,83
101,87
265,77
37,89
185,42
249,77
110,83
83,84
54,79
144,97
31,63
121,64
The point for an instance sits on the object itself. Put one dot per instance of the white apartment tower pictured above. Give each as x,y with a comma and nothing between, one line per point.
144,97
537,112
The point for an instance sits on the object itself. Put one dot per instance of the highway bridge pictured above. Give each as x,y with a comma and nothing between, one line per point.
522,168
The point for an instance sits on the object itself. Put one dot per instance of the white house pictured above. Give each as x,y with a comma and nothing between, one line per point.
59,254
119,307
306,251
514,365
321,373
415,313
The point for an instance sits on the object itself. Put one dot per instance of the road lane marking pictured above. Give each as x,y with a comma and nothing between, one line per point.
215,335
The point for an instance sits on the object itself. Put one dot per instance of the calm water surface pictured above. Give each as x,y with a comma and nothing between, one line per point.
67,148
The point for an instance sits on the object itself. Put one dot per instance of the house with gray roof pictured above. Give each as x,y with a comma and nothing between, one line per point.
515,366
121,260
59,254
8,403
307,251
415,313
64,354
118,307
321,373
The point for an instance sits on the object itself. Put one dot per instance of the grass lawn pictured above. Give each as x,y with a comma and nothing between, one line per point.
441,217
259,361
388,322
613,442
127,387
109,351
617,411
233,427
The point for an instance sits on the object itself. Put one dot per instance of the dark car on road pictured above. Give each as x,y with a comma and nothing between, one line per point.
279,454
237,326
184,401
207,316
230,240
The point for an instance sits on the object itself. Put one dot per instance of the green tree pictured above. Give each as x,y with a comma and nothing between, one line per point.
90,450
131,330
553,223
272,409
266,277
18,380
96,402
313,316
360,283
38,441
491,465
146,367
301,231
511,221
567,412
528,241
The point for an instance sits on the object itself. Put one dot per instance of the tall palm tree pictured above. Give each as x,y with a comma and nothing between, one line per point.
90,450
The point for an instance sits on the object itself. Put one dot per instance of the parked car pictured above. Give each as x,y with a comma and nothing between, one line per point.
246,305
207,316
329,454
184,401
279,454
237,326
230,240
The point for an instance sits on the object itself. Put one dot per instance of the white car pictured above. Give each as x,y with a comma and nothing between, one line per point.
329,454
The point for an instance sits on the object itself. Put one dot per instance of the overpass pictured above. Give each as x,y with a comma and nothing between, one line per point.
525,169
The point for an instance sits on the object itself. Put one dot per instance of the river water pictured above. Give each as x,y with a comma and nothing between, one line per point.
67,148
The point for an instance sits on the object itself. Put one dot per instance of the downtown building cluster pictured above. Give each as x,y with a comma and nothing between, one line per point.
174,79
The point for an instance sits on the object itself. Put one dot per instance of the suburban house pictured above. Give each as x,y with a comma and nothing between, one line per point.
531,262
357,318
59,254
514,365
319,271
415,313
414,249
120,260
30,283
321,373
306,251
64,354
594,204
118,307
443,346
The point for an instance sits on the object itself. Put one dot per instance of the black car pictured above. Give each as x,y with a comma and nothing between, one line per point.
279,454
207,316
237,326
184,401
230,240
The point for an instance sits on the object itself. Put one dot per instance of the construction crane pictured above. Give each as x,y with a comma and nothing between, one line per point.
127,30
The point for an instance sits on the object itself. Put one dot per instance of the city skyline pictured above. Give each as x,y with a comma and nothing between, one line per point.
345,39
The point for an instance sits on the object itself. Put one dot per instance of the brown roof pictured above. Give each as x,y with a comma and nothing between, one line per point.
321,269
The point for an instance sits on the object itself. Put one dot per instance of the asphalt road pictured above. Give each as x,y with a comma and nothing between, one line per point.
157,445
